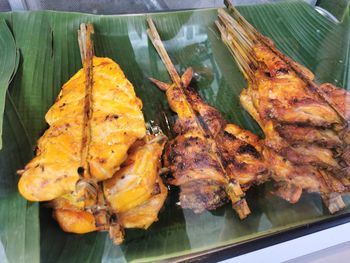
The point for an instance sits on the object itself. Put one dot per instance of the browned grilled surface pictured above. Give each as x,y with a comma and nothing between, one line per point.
297,134
241,156
200,158
202,194
340,98
209,117
303,129
307,139
243,160
192,160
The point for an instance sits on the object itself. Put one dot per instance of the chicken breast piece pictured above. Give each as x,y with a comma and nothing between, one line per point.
116,123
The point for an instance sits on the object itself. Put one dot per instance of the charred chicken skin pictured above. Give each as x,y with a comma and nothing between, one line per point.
240,150
304,124
208,158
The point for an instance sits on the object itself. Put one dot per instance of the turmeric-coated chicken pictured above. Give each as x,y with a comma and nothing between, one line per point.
116,123
134,194
207,159
305,125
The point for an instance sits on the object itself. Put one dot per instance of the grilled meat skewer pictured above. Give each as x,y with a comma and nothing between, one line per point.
202,157
93,123
304,124
91,130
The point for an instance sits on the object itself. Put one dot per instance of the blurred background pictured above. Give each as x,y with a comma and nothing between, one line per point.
335,7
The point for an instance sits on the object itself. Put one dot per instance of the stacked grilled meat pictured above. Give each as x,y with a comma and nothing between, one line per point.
211,161
305,125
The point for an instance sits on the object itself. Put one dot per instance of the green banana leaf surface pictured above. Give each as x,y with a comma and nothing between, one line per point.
43,45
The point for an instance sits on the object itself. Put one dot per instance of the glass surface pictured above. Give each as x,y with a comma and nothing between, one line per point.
120,6
4,5
191,39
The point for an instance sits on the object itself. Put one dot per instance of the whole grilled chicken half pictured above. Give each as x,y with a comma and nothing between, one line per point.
134,195
210,161
305,125
89,135
93,123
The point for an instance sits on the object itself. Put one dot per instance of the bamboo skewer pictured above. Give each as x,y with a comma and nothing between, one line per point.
232,187
242,25
158,45
87,188
241,37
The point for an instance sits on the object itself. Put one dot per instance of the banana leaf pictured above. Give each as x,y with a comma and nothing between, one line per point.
49,52
9,60
19,222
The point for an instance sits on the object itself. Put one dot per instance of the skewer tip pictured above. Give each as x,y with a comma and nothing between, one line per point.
227,3
187,77
161,85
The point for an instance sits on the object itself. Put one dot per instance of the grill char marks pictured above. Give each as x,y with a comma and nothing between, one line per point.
193,160
305,125
192,155
242,156
200,158
202,195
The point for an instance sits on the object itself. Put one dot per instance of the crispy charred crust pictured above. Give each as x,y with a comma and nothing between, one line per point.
346,155
340,98
202,195
183,126
242,158
305,124
300,71
249,149
195,157
296,134
229,136
187,156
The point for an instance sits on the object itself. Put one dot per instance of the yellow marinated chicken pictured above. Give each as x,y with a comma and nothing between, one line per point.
116,123
135,193
72,216
305,125
137,189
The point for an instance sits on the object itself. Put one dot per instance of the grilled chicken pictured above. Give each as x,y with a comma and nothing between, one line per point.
240,150
116,123
135,193
208,159
93,123
304,124
72,216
